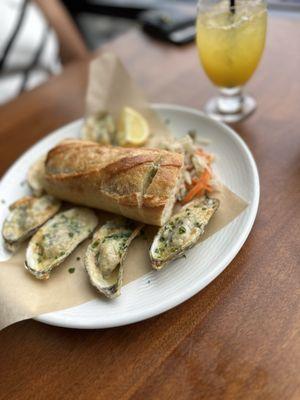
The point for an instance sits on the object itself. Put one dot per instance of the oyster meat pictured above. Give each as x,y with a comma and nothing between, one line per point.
25,217
99,128
52,243
35,176
182,231
105,255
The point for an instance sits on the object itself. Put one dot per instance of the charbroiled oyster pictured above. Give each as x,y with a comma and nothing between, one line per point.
52,243
99,128
25,217
106,254
35,176
182,231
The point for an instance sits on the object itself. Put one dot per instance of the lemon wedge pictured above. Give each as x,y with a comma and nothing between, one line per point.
133,129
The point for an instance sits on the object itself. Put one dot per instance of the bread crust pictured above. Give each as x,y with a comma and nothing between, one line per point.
138,183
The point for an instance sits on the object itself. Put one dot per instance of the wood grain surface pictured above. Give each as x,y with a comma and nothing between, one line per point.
237,339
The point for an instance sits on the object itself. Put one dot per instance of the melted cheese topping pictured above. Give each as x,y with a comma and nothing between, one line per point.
28,215
59,237
183,229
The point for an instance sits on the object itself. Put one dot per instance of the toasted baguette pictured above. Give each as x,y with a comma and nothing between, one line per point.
138,183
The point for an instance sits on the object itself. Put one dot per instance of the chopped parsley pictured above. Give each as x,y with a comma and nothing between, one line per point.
95,244
121,235
71,270
74,225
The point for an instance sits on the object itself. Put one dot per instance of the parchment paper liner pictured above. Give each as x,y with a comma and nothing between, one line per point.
21,295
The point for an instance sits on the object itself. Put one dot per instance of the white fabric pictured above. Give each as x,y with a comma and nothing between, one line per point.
24,48
9,87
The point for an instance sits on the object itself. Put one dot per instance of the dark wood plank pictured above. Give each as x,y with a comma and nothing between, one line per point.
239,337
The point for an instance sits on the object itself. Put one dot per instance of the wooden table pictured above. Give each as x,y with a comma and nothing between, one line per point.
239,337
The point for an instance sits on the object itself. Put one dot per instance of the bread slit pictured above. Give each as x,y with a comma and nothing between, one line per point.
152,171
151,175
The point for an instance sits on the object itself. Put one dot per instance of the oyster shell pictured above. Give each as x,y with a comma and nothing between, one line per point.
52,243
106,254
35,176
25,217
182,231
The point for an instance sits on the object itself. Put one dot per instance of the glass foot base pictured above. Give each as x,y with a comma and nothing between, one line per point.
247,107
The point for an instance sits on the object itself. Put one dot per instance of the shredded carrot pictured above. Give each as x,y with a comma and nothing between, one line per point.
195,180
200,186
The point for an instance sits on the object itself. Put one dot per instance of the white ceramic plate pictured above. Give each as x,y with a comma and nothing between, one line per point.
159,291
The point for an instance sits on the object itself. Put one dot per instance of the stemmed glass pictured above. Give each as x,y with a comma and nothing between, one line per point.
230,40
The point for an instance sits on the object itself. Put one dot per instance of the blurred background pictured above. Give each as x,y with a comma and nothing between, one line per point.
102,20
38,38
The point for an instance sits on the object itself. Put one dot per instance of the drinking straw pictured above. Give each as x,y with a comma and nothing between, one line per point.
232,6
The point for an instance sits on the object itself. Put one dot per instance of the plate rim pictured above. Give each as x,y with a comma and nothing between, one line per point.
51,319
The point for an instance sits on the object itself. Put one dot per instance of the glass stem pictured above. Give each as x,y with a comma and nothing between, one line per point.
230,101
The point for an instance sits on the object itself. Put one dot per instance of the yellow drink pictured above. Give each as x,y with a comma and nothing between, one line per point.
230,45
